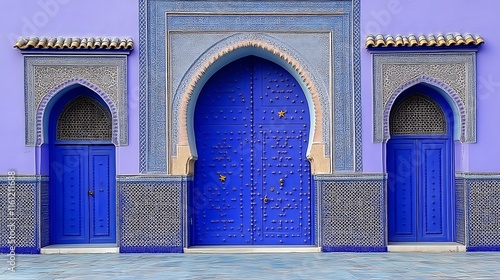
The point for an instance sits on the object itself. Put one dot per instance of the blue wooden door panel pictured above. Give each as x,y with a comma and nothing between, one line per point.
223,186
251,127
282,174
419,190
284,215
402,197
102,197
77,216
222,183
71,175
433,191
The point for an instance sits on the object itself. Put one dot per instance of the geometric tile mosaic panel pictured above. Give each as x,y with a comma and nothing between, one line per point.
150,215
460,209
44,213
484,214
24,218
353,214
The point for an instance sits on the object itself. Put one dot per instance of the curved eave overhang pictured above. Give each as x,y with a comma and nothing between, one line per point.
412,42
74,44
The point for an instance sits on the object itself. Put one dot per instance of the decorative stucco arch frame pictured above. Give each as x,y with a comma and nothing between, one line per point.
448,93
323,33
48,76
48,101
223,52
452,74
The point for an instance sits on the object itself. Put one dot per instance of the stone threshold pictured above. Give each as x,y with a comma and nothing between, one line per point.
250,249
105,248
426,247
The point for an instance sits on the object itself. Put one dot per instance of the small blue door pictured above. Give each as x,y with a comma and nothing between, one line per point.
83,188
419,177
252,182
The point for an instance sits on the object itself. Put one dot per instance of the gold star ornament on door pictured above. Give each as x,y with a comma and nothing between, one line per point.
222,178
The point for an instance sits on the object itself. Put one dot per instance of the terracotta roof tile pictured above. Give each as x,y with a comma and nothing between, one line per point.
431,40
93,43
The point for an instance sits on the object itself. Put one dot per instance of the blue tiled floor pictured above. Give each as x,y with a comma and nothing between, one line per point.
256,266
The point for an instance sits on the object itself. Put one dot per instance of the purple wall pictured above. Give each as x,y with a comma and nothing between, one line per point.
120,18
72,18
406,17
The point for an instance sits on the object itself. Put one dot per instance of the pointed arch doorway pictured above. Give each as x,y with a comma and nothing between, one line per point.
82,170
252,181
420,168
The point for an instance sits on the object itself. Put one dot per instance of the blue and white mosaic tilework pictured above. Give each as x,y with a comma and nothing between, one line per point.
352,213
24,231
483,213
44,212
150,214
460,210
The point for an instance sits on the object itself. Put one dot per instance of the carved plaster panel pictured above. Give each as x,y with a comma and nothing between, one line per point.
255,43
47,76
454,74
171,71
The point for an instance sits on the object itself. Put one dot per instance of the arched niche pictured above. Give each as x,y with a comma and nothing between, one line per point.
48,77
453,74
72,87
230,49
451,97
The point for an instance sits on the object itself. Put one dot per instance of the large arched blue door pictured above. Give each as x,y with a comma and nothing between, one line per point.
252,183
82,172
419,164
